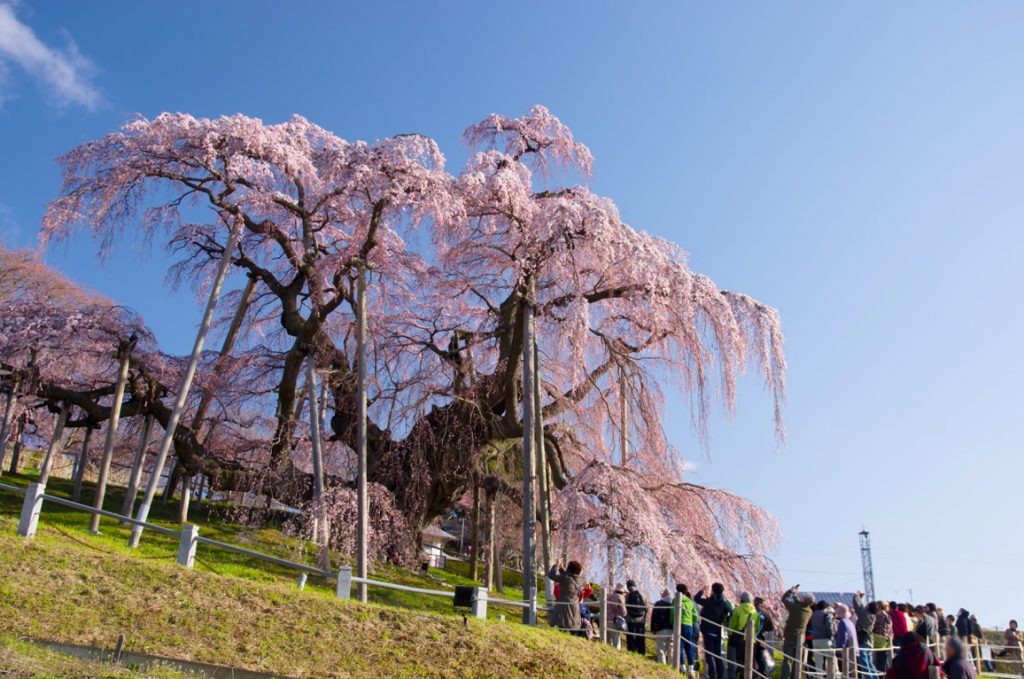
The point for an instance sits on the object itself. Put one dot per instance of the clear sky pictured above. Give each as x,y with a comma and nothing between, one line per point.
858,165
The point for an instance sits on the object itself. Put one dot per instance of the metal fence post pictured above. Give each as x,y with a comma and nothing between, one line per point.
677,630
748,649
479,607
344,589
30,509
302,581
801,659
187,545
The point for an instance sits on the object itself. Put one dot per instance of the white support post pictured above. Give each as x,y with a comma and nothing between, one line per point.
30,509
187,545
186,384
677,630
479,605
302,581
344,588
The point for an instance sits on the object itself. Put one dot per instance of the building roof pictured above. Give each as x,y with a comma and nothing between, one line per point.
834,598
437,534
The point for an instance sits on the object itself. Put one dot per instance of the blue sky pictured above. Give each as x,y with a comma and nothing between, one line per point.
859,166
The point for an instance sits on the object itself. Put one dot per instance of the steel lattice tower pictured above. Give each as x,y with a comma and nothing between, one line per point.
865,560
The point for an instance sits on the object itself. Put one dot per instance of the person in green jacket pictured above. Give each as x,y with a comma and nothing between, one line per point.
743,613
688,631
798,609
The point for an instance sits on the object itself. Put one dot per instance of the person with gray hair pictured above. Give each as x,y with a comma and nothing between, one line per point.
799,607
738,621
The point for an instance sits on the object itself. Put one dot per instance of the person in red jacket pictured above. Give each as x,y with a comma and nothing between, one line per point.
913,660
900,624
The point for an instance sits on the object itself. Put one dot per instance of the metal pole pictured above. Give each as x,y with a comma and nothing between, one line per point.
186,384
130,493
364,505
529,510
51,451
125,352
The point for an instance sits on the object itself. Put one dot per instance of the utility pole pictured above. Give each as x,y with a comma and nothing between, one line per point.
865,560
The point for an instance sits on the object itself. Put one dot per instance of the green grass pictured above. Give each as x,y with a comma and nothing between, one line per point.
77,589
215,522
73,587
22,659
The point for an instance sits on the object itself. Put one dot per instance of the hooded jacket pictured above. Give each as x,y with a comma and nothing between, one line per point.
741,614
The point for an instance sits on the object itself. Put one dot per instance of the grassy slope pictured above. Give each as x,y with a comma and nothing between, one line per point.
72,587
60,589
214,523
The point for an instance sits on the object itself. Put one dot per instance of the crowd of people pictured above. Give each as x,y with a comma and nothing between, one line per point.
877,638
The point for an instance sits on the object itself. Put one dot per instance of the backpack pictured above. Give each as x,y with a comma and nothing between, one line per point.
636,607
661,617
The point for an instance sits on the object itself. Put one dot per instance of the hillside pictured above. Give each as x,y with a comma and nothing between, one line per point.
70,587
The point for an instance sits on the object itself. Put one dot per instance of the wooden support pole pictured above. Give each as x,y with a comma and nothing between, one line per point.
529,508
316,439
124,354
542,477
51,450
677,631
135,477
362,497
748,649
7,424
186,384
80,465
474,538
